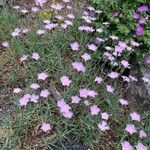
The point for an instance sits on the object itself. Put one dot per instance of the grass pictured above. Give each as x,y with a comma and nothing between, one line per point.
20,125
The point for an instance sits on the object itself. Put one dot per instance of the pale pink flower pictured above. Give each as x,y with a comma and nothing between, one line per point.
140,146
113,37
24,100
56,6
108,48
146,80
35,56
47,21
35,9
46,127
42,76
65,108
74,46
135,116
34,86
17,90
23,58
125,78
123,102
132,78
126,146
44,93
109,89
103,126
16,7
24,11
86,28
75,99
71,16
61,103
105,115
65,81
5,44
99,30
26,30
64,26
51,26
91,8
59,17
92,47
40,32
98,80
83,93
66,1
92,93
68,114
142,134
135,43
40,2
79,66
131,128
34,98
94,110
113,75
15,33
68,22
87,103
86,56
125,64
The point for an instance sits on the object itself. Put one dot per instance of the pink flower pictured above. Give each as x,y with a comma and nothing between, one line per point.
86,56
99,30
65,81
71,16
105,115
68,114
103,126
56,6
34,9
24,100
132,78
25,30
34,86
142,134
140,146
42,76
23,58
16,32
35,56
146,80
46,127
83,93
126,145
98,80
123,102
94,110
17,90
40,32
34,98
125,78
125,64
75,99
65,108
135,43
79,66
113,75
61,103
68,22
87,103
131,128
59,17
92,47
74,46
16,7
44,93
40,2
92,93
64,26
86,28
66,1
5,44
109,89
135,116
24,11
